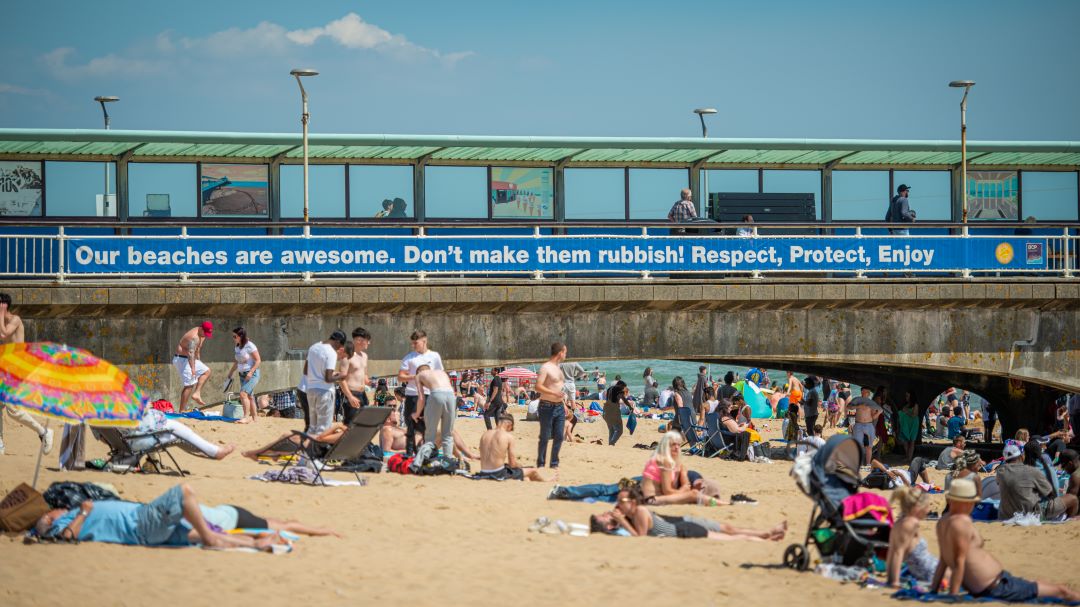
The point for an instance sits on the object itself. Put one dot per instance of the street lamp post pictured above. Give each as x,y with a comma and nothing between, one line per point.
701,112
103,99
298,74
966,85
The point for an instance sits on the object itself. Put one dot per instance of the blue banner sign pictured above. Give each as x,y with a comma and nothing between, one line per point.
349,254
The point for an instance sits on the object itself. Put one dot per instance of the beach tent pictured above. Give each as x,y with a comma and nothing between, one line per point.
759,406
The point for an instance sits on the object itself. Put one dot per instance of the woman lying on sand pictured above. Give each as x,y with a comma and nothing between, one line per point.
632,517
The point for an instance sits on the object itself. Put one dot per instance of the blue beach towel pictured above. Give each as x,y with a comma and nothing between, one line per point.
909,594
199,415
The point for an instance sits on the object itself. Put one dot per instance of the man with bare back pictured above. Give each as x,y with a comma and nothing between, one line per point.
497,459
437,403
974,569
187,360
549,383
354,385
12,332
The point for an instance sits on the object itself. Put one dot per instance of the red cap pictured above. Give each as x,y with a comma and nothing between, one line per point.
208,328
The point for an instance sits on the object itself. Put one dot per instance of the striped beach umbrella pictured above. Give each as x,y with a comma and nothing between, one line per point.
517,373
68,384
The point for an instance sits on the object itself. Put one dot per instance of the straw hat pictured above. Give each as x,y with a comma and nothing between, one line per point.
962,490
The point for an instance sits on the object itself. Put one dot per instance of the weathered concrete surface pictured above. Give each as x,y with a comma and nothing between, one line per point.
971,333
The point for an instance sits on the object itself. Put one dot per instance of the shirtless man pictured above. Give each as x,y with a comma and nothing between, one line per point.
549,383
497,459
354,385
972,567
865,420
1070,463
188,362
436,401
12,332
392,437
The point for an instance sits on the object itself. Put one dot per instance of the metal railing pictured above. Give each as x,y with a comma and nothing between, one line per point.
31,255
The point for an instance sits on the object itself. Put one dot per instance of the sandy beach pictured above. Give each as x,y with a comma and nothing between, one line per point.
453,541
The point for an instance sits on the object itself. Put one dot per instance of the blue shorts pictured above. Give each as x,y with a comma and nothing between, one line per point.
248,385
158,523
1011,589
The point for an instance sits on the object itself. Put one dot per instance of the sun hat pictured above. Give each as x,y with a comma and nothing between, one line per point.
962,490
1011,452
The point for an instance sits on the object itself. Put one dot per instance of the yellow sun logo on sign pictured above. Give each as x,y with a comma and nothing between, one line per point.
1004,253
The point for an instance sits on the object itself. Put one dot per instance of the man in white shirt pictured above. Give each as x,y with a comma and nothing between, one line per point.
412,361
321,375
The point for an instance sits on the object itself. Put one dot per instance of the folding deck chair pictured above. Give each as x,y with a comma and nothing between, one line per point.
692,433
122,452
365,426
716,445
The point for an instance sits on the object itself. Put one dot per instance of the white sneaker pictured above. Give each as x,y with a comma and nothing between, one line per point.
47,441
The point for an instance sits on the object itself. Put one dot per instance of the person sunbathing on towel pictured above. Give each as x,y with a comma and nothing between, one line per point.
635,519
974,569
172,519
228,517
497,460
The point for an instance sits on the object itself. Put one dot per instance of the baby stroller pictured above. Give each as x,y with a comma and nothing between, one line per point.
830,477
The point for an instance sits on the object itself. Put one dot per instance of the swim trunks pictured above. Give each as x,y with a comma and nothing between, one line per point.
864,433
1011,589
506,473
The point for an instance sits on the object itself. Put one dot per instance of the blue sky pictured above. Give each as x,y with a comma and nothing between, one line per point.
772,68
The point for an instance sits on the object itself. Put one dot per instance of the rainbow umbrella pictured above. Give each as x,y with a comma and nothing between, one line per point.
68,384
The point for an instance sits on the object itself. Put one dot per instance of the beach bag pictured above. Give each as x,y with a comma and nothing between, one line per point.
68,494
436,466
21,508
876,480
631,423
399,463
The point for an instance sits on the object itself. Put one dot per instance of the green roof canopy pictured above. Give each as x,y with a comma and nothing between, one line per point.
62,144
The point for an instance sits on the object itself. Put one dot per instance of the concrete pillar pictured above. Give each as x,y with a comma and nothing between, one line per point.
419,200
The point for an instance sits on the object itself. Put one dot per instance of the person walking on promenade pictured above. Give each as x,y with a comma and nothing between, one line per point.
354,385
247,362
420,355
188,362
549,383
321,375
900,211
12,332
682,211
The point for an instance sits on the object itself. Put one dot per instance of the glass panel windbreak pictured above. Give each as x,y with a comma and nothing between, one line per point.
522,193
162,190
993,195
795,182
734,180
595,193
456,192
930,195
860,195
1049,196
235,190
381,191
76,189
654,191
21,188
326,190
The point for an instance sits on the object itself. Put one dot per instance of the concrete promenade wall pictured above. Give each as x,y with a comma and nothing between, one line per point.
963,331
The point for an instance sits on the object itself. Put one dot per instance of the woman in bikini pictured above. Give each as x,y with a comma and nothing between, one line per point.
666,481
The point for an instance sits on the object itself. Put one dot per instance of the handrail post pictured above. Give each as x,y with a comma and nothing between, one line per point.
966,272
61,265
1066,270
305,276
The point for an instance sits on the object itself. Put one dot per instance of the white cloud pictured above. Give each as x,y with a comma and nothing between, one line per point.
109,65
266,38
14,89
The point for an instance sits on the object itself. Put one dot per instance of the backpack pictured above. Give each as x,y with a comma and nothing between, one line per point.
888,211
